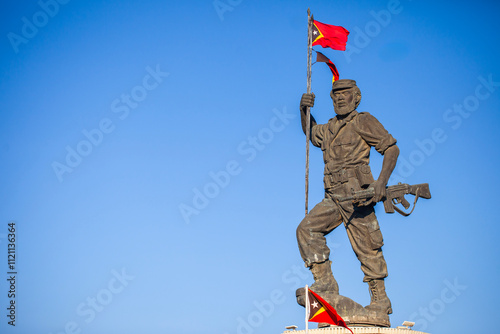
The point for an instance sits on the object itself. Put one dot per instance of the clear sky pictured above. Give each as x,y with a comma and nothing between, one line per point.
152,160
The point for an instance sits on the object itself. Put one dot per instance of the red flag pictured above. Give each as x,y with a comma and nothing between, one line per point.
321,311
329,36
322,58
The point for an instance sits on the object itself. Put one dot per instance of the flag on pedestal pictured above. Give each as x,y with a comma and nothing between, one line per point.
320,311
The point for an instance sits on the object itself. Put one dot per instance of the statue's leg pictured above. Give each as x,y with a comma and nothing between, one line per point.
324,281
367,241
311,232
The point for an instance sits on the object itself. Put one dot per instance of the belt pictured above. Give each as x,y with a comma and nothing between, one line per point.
341,176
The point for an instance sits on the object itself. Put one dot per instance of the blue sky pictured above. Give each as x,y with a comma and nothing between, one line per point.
153,161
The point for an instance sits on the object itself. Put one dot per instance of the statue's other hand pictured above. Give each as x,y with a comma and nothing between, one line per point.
307,100
379,189
379,193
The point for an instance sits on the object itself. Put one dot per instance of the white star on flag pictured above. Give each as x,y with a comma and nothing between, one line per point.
315,304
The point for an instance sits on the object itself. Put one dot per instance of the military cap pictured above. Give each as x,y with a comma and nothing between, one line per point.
343,84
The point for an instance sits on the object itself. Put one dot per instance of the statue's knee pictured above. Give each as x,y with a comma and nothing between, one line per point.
301,229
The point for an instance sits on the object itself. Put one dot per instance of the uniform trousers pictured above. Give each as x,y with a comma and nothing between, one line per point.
362,228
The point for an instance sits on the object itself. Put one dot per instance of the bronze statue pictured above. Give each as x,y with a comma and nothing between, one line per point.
346,141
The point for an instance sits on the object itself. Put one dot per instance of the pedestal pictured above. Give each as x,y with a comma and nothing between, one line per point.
353,313
356,330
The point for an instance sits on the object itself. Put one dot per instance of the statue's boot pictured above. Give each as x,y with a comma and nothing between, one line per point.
379,300
323,278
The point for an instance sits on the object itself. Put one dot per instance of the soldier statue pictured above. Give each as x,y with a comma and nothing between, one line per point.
346,141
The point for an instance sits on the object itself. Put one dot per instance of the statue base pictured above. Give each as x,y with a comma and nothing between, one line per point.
353,313
356,330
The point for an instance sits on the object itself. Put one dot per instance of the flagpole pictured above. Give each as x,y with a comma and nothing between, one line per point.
308,109
307,309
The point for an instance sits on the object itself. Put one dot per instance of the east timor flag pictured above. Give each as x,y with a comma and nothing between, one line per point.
329,36
321,311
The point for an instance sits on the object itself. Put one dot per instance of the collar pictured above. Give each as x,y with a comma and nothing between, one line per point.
346,119
336,121
335,124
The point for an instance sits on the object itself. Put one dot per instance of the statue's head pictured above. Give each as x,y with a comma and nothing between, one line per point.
346,96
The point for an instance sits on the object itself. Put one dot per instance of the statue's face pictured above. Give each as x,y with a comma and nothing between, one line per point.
344,101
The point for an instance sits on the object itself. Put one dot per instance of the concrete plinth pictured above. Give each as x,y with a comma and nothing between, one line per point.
356,330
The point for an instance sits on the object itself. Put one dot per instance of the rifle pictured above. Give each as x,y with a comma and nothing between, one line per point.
394,195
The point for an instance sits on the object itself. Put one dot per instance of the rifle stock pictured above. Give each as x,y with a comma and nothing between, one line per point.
422,189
